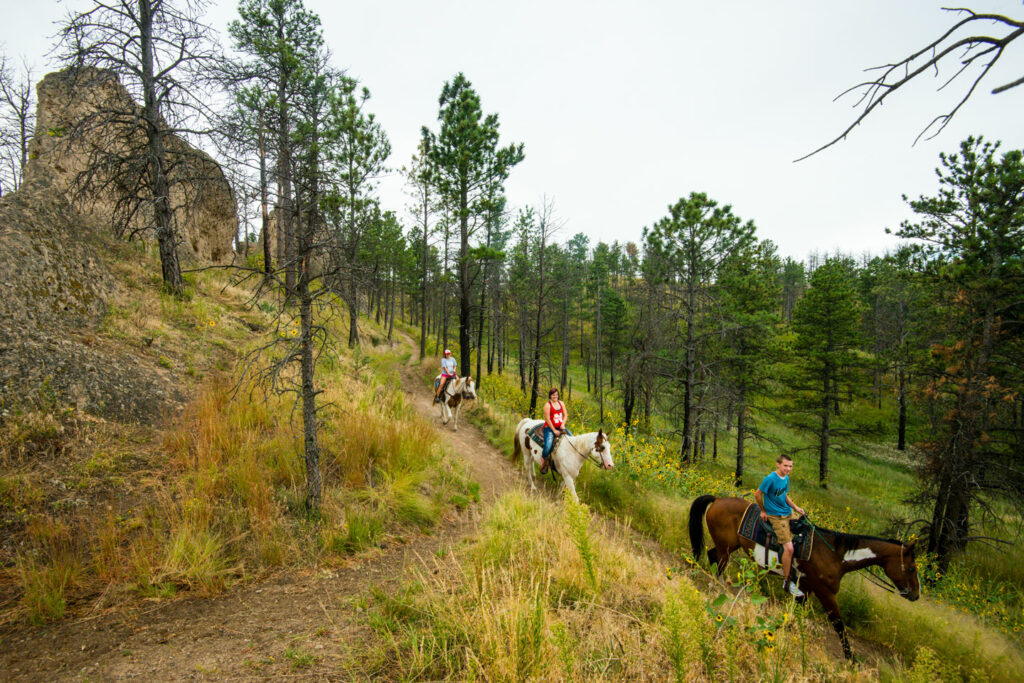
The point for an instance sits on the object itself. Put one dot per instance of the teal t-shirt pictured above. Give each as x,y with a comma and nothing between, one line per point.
775,490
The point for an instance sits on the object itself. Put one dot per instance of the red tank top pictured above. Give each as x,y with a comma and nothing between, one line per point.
557,414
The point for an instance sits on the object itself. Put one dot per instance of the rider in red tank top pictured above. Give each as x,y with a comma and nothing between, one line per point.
555,416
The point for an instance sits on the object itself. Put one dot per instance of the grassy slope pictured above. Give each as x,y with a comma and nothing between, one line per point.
865,491
99,513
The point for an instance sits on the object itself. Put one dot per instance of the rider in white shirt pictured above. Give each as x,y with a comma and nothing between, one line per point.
448,373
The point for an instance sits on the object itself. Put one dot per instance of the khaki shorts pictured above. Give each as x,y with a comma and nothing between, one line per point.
781,527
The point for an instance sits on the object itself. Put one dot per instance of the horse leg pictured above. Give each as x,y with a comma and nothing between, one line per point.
571,485
455,416
831,605
528,462
720,557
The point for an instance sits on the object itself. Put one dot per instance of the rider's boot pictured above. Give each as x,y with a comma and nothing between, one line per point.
544,465
791,588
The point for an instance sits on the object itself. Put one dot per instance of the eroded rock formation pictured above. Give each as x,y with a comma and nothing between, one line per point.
63,147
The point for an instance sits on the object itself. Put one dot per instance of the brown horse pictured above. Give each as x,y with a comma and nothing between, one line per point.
834,554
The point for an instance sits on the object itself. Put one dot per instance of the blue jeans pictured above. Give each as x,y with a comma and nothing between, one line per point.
549,440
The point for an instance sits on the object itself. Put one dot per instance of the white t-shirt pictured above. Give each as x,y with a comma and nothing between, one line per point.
448,366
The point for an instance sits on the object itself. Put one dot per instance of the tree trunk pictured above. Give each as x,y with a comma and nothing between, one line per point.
480,321
741,436
826,418
628,401
352,303
537,325
391,308
690,377
268,258
465,308
286,232
563,375
598,376
901,438
162,214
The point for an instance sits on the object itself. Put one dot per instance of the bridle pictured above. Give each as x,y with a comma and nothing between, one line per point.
590,456
884,582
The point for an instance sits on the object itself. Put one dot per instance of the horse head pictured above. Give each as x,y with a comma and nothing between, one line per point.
469,388
901,568
603,449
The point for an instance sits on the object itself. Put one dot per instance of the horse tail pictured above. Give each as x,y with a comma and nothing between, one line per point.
696,524
517,448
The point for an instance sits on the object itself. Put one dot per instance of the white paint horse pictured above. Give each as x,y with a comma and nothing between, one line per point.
459,389
567,456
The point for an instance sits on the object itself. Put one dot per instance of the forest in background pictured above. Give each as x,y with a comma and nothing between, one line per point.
701,335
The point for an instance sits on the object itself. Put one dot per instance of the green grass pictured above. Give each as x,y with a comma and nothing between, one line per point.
866,493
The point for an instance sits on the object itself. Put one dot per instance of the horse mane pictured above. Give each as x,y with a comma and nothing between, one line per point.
850,541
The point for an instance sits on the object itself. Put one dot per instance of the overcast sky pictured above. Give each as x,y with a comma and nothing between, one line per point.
625,108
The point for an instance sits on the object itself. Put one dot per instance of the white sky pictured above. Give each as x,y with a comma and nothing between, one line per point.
625,108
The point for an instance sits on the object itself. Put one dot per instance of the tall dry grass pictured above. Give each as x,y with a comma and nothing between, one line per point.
227,501
521,603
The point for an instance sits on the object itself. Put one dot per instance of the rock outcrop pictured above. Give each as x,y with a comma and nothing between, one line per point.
56,288
66,140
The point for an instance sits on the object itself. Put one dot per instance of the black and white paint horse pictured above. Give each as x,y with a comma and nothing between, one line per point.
568,456
458,390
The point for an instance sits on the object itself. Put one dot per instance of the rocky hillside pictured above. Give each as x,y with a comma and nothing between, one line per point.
58,258
58,284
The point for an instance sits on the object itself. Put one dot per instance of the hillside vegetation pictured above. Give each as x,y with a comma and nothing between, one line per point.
97,513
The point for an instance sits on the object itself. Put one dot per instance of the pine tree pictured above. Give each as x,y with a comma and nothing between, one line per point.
282,39
826,321
468,168
970,236
749,293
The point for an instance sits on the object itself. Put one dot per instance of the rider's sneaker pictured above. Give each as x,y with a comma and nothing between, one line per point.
794,590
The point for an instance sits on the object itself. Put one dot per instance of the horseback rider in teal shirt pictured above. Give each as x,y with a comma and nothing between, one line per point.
777,508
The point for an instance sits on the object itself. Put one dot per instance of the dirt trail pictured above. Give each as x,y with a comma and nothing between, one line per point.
297,624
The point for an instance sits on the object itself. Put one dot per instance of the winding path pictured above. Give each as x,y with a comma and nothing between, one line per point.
297,624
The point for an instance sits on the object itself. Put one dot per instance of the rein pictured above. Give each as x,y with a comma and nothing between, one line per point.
814,530
586,456
880,581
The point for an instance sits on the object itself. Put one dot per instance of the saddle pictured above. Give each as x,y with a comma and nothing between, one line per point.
762,534
537,434
442,382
